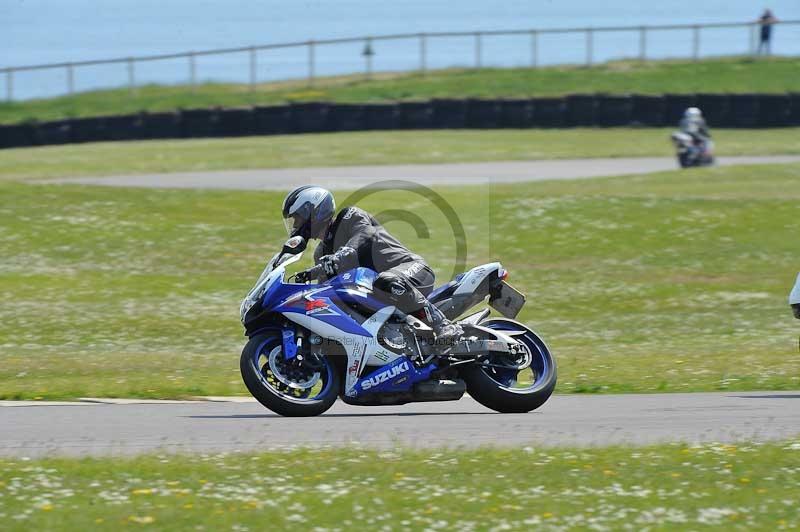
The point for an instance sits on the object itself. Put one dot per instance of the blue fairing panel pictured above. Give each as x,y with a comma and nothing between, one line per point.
316,301
399,376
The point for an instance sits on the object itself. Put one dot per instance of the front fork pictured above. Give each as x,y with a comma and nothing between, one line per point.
289,343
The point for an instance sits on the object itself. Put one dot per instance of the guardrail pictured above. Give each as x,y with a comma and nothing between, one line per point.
422,45
578,110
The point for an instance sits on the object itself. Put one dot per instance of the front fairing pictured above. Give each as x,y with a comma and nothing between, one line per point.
273,274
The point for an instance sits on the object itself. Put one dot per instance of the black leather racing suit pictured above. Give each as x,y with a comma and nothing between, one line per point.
355,238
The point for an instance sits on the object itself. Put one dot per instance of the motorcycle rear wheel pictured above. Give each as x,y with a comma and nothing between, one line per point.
279,386
494,389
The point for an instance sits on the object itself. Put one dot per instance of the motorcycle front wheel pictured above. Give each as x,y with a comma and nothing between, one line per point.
513,390
291,388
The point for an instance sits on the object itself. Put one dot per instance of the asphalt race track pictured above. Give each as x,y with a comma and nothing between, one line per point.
349,177
31,429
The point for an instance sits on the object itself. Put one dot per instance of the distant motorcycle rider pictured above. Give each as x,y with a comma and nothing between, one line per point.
695,125
354,238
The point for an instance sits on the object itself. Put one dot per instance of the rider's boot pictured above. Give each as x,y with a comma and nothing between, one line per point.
447,333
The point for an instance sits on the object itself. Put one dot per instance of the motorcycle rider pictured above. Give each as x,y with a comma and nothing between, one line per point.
794,298
695,125
354,238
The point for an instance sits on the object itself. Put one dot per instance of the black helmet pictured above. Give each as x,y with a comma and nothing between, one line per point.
307,211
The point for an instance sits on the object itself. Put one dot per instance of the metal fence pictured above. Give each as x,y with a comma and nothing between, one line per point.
420,46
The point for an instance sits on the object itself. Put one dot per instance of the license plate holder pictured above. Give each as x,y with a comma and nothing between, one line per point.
508,301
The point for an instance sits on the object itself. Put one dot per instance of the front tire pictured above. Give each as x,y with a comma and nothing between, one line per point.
260,365
496,391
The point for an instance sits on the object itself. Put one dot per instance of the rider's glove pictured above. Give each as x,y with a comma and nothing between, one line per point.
344,259
328,264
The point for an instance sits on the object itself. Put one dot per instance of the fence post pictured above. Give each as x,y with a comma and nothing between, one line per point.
589,46
696,43
70,79
131,76
753,38
478,50
9,84
643,43
253,68
310,63
423,53
534,49
192,70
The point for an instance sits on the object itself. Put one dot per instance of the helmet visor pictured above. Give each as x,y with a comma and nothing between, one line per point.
291,224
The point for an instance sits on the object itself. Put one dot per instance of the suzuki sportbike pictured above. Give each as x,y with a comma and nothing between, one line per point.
692,152
311,343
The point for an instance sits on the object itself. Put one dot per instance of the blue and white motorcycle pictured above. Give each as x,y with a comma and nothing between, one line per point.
310,344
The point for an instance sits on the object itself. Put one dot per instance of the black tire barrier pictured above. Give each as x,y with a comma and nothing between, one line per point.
516,114
614,111
581,109
381,116
199,123
716,109
236,121
648,110
309,117
50,133
415,115
744,110
163,125
449,114
16,136
124,127
484,114
675,105
794,111
346,117
549,112
774,110
273,119
736,110
90,129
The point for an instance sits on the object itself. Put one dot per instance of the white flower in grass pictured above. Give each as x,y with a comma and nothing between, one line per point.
713,516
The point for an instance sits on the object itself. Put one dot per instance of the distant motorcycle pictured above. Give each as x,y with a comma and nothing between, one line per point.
311,343
692,152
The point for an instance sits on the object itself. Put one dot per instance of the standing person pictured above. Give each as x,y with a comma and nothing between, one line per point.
766,21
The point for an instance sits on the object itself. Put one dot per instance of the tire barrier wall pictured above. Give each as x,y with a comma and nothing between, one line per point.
579,110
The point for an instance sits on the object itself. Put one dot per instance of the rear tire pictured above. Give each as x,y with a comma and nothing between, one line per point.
267,395
494,395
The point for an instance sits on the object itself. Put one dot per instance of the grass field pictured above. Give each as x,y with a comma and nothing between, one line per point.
666,282
371,148
668,487
708,76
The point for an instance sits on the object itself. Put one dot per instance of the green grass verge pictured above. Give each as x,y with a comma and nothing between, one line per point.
619,77
373,148
665,282
667,487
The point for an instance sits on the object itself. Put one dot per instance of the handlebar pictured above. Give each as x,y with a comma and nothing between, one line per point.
304,276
